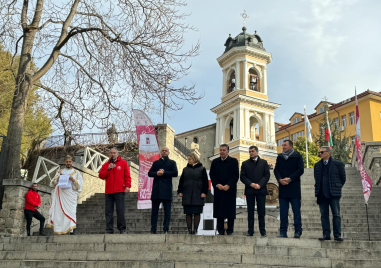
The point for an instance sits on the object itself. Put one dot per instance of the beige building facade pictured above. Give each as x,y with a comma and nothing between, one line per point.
245,116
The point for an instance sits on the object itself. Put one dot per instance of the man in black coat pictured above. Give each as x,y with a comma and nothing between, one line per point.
255,173
162,170
224,174
329,179
289,168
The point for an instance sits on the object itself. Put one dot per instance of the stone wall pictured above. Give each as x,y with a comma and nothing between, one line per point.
166,137
134,172
206,137
371,160
12,219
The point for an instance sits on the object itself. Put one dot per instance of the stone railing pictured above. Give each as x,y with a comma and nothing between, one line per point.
371,159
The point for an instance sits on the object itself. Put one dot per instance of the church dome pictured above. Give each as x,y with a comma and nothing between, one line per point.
244,39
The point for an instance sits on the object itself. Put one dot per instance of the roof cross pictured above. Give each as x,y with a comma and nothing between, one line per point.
244,16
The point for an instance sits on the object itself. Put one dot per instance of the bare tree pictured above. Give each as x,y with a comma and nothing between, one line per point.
96,60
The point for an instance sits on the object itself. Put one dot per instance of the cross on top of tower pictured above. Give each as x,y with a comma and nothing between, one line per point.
244,16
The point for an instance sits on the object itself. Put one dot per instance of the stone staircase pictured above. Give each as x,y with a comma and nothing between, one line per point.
184,251
91,220
93,249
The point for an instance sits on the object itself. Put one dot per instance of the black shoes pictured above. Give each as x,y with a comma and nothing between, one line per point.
297,235
165,232
190,231
249,234
339,239
153,232
282,236
72,233
194,232
42,233
230,233
123,232
264,235
325,238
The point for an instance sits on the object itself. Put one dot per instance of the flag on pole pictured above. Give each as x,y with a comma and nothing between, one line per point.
328,134
308,127
366,181
148,153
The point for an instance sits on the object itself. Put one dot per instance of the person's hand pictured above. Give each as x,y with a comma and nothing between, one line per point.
284,181
252,185
160,172
257,186
38,207
71,178
111,166
127,190
203,195
219,186
180,195
288,180
226,187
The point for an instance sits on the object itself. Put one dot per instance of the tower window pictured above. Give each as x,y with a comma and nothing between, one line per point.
231,82
195,140
231,129
254,80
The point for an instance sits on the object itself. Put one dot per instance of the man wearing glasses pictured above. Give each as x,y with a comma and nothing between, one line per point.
330,178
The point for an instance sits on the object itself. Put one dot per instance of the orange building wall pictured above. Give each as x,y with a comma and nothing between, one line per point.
370,121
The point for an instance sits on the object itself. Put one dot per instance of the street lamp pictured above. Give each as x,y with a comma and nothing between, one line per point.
165,87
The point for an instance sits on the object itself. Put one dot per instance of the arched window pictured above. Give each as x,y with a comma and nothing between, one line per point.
254,81
231,85
231,129
254,129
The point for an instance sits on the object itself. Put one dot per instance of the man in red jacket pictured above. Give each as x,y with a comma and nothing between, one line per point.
32,204
118,182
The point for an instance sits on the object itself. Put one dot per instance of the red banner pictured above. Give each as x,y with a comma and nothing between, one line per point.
366,181
148,153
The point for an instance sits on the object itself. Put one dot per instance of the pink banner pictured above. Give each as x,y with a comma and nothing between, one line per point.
148,153
366,181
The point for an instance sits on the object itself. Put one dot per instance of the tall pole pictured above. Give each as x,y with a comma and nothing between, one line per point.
367,219
305,134
165,87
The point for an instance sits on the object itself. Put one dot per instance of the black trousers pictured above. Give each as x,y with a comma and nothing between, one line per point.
261,210
324,204
118,199
29,214
167,204
221,227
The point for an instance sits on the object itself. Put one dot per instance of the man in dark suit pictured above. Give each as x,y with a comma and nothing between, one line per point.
224,174
289,168
329,179
162,170
255,173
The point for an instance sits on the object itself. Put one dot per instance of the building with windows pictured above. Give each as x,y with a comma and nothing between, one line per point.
343,115
245,115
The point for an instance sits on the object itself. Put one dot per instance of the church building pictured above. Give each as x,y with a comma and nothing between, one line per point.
245,116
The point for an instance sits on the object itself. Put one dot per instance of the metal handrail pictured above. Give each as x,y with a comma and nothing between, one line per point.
89,138
181,147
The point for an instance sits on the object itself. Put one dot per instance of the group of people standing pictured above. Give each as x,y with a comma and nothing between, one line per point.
193,187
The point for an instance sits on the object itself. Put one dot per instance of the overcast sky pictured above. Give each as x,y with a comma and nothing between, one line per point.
319,48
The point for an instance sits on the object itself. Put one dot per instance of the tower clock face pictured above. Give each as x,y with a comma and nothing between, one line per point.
255,40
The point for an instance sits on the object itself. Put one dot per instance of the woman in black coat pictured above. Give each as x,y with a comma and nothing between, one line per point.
193,187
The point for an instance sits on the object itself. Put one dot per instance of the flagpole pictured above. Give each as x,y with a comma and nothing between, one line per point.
305,134
367,219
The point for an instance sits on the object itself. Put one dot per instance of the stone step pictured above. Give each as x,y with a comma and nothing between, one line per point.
124,264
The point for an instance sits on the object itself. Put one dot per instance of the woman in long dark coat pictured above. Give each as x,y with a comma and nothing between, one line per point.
193,187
